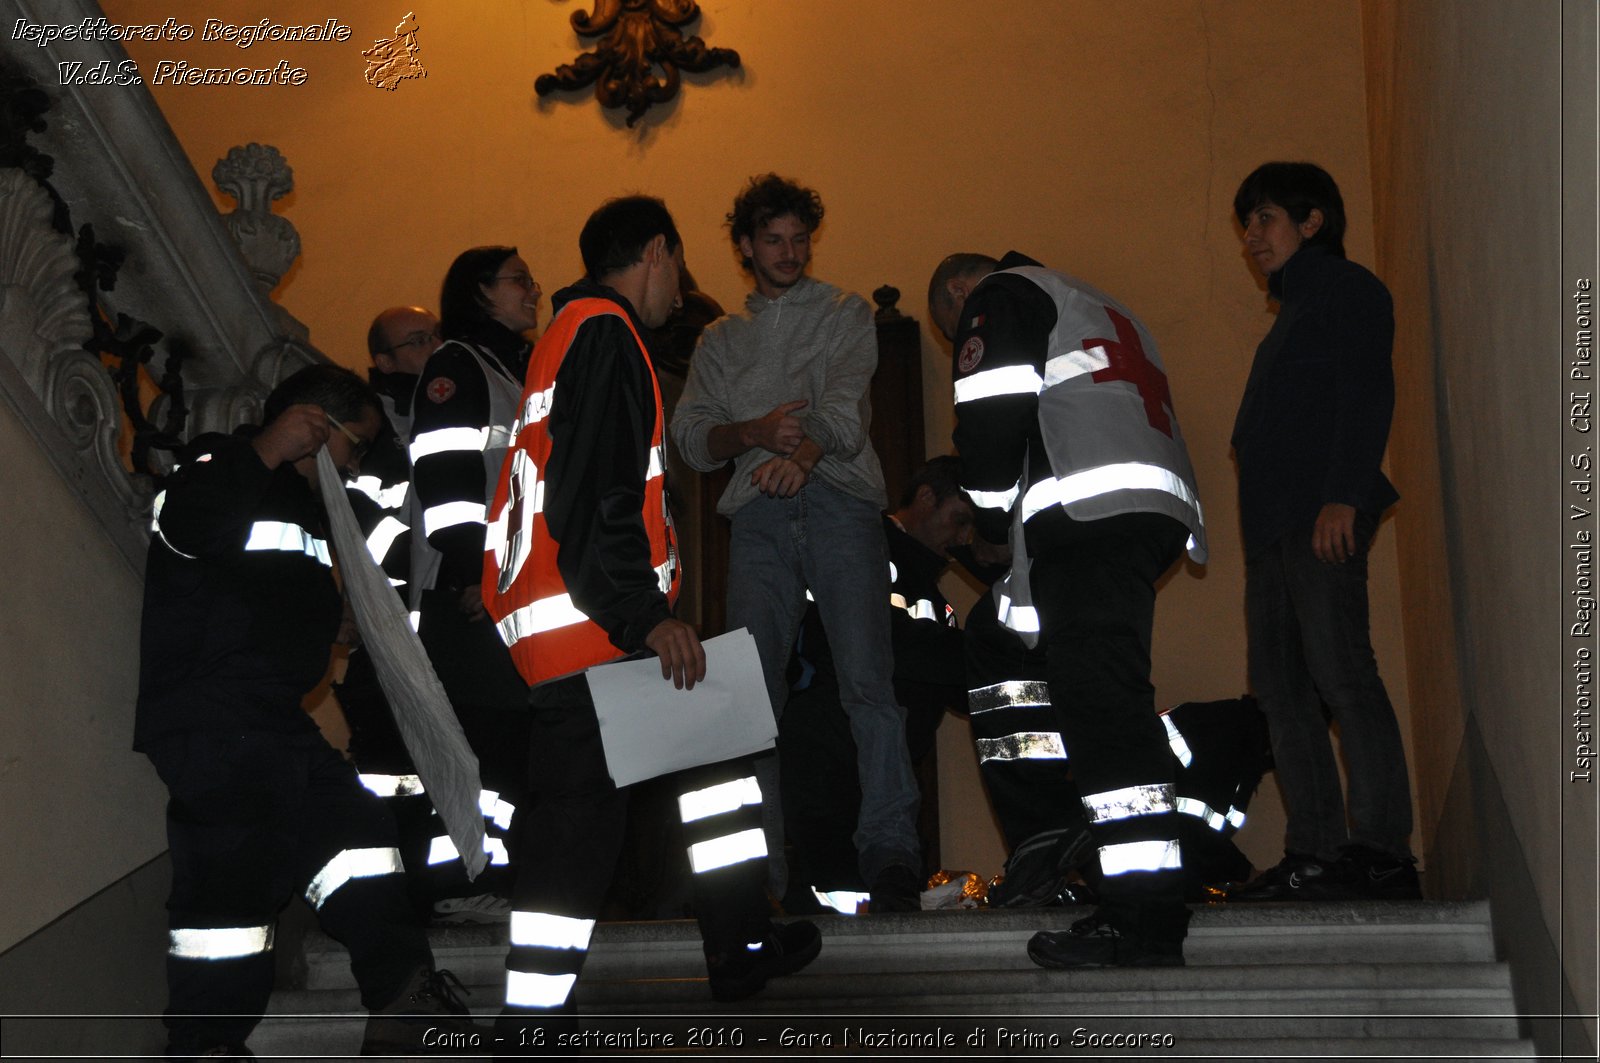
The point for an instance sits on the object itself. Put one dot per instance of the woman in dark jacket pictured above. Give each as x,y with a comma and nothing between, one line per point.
465,403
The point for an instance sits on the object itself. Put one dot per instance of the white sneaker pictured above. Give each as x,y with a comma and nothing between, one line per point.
483,908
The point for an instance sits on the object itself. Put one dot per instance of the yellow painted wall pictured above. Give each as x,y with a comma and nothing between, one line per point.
1103,137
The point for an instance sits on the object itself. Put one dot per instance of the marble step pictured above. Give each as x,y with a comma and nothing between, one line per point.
1392,932
1309,989
1364,980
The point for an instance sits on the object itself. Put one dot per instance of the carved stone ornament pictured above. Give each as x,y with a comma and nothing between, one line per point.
637,37
44,323
42,310
256,175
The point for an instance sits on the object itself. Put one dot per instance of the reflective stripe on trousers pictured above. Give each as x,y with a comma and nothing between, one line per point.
219,943
1020,736
348,865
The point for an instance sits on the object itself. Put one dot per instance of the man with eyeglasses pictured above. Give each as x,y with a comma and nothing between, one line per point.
240,609
399,341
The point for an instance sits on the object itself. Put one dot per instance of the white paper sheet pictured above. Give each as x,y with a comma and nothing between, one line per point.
650,728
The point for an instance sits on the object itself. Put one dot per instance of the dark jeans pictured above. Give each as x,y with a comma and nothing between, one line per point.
1095,589
832,544
1309,647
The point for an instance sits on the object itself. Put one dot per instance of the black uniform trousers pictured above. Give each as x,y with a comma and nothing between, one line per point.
571,838
378,749
253,818
490,699
1094,586
1024,773
1030,784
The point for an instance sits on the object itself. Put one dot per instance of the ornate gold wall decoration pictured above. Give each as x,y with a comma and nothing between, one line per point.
637,37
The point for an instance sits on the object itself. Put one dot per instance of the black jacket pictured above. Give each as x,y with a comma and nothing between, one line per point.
600,431
378,496
451,393
240,605
1314,419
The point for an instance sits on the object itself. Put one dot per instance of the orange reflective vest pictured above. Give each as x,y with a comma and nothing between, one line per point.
523,590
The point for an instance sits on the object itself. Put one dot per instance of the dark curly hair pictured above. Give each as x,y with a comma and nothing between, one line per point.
770,196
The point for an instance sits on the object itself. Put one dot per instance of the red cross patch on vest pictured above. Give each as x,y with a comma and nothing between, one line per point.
1128,362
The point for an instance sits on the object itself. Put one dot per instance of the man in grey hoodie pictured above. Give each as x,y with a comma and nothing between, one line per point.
781,389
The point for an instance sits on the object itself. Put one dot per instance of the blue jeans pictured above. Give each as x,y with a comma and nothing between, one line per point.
831,543
1309,647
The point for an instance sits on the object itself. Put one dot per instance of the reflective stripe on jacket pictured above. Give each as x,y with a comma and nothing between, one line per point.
1103,439
438,502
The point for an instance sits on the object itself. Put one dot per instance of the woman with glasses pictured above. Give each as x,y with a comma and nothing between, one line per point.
466,399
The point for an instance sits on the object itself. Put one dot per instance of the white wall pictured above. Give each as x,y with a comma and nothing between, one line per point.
81,808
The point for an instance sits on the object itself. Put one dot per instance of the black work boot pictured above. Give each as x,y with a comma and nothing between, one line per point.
1038,871
786,948
1297,877
897,888
1094,942
429,1004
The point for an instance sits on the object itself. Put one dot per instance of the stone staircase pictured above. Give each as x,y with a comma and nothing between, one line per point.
1412,980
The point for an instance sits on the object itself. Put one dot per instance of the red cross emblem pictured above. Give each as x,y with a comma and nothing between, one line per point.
1127,362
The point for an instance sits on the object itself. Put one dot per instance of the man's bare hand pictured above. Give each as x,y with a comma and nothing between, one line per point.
349,633
297,432
986,553
471,603
779,430
779,478
683,660
1333,537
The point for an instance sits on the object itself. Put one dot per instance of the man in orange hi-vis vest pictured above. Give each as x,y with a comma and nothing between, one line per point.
581,569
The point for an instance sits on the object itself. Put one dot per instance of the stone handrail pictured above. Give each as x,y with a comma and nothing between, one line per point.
115,165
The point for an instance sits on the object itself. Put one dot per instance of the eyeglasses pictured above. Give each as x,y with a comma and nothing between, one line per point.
416,339
521,280
359,446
